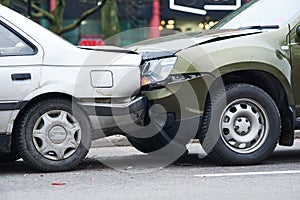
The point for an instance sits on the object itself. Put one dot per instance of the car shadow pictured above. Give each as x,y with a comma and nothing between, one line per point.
188,160
139,161
17,167
284,156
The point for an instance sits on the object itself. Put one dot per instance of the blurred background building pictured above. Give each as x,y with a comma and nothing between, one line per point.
163,15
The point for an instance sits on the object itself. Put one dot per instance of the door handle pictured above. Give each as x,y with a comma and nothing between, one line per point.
21,77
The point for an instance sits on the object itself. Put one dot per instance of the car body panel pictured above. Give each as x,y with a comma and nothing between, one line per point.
294,46
186,99
52,81
181,41
6,119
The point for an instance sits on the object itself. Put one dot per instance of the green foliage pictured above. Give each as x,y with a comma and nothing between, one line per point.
5,2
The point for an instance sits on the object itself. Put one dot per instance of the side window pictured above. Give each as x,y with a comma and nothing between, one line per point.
12,45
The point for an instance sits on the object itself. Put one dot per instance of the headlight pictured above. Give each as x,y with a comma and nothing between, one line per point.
155,71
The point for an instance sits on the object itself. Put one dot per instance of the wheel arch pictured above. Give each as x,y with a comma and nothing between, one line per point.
260,74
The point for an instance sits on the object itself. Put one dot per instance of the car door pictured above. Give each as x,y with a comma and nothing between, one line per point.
21,59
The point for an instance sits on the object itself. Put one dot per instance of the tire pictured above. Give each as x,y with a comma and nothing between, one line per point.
152,144
241,125
163,143
154,138
53,135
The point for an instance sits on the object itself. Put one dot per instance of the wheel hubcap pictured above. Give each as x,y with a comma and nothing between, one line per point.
244,126
56,135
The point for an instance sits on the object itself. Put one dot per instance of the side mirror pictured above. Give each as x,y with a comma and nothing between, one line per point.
298,31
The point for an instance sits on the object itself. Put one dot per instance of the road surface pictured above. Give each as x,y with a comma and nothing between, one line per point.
116,173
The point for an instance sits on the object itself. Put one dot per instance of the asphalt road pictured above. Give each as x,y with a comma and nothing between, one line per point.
116,173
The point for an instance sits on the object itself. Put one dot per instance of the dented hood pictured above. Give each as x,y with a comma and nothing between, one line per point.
169,45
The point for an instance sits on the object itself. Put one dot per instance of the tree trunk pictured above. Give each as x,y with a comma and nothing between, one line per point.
110,22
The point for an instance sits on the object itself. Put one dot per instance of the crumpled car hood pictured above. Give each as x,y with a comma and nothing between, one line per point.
170,45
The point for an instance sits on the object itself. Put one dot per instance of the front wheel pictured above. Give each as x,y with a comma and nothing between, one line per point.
241,125
53,135
152,144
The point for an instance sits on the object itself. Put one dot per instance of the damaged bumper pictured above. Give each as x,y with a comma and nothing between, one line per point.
108,119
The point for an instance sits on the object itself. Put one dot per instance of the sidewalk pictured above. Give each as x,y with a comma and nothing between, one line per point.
116,140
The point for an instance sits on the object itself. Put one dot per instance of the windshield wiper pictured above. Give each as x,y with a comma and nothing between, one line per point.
260,27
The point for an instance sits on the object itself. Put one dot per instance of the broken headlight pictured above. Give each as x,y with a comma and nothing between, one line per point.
155,71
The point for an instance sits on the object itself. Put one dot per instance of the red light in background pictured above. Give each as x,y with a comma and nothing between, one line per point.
52,5
91,40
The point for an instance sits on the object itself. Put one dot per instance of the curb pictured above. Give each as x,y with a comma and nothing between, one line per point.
117,141
121,141
297,134
111,141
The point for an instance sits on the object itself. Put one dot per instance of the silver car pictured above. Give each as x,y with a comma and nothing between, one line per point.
55,97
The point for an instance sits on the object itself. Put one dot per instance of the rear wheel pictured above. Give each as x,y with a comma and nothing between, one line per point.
53,135
241,125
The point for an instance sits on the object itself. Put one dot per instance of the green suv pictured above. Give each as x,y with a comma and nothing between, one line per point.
234,87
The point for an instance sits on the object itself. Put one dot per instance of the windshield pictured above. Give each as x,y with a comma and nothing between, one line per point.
261,13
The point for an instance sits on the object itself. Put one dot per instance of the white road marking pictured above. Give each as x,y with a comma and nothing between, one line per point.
248,173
